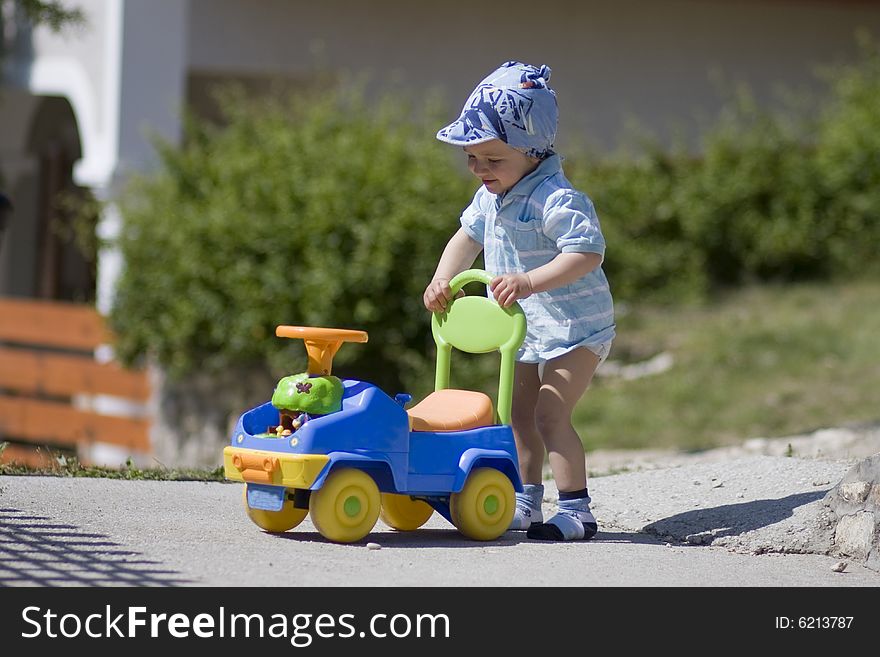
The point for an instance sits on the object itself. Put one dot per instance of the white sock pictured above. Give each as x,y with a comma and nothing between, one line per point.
528,507
573,522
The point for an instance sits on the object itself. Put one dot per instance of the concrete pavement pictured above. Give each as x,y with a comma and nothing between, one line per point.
738,522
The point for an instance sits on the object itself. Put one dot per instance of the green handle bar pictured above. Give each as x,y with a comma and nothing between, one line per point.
480,325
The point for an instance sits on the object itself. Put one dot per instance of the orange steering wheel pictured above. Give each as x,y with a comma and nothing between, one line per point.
321,343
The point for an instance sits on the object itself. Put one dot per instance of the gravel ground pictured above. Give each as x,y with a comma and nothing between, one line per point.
849,444
753,504
761,496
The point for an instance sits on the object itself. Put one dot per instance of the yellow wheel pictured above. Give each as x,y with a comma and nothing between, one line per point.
403,513
346,507
483,510
276,521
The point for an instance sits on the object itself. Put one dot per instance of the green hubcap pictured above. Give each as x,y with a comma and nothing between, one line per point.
490,505
352,506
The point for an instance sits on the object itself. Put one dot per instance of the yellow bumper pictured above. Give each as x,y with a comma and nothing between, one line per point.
262,467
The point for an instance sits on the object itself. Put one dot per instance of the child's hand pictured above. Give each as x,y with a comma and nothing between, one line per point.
508,288
438,294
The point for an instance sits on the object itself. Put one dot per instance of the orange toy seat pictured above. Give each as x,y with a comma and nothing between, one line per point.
452,410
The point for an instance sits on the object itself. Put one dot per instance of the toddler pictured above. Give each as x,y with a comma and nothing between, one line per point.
541,239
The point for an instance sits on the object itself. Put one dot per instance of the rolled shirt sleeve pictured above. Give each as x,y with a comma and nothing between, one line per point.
473,219
570,220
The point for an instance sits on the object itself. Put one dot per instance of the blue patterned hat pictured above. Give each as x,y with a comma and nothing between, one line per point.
513,104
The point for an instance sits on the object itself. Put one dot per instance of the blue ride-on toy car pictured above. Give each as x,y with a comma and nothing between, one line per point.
346,453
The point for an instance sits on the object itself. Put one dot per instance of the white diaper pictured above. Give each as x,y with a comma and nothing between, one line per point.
601,350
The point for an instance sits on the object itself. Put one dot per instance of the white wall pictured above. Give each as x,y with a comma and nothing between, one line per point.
610,58
124,73
82,64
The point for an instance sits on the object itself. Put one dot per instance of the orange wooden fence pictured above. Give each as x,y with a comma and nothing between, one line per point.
47,363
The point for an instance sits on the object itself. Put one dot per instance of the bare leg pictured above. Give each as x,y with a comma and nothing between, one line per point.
529,445
564,382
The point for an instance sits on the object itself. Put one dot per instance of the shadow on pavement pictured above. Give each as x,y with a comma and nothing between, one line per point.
425,538
731,519
37,551
451,538
625,537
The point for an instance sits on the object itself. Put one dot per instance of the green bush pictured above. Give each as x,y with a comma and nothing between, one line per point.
315,211
771,196
750,203
847,155
327,210
649,251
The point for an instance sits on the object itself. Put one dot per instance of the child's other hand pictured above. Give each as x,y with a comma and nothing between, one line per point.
437,295
508,288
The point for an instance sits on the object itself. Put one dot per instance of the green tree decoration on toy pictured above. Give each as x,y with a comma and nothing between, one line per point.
316,395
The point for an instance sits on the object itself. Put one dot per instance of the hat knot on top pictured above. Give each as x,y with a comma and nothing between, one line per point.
536,79
513,104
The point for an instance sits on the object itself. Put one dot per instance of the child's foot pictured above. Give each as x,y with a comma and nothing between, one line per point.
573,522
528,507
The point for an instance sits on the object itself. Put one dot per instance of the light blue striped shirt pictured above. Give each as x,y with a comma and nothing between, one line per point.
526,227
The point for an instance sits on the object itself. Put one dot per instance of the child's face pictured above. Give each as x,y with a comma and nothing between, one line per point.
498,165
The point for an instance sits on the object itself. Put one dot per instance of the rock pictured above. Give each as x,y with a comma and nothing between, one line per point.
698,539
856,492
194,416
852,513
374,546
854,534
656,365
839,567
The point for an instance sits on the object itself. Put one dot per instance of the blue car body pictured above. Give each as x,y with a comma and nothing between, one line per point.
372,433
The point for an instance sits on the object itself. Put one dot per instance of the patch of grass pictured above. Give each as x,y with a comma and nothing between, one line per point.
67,466
767,361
